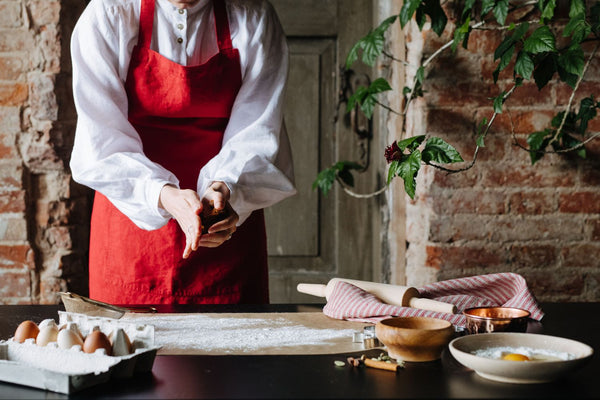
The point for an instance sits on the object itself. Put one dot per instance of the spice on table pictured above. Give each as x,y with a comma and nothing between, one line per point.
339,363
388,365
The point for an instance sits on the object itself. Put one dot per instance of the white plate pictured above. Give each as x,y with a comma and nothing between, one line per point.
463,348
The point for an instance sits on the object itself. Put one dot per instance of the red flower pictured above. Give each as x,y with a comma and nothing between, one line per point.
393,153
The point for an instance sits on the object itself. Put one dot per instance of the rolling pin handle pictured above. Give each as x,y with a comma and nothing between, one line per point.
313,289
432,305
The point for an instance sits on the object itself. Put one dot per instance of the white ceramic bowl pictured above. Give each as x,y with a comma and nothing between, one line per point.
463,349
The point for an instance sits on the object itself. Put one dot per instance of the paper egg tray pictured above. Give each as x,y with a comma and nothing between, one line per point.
68,371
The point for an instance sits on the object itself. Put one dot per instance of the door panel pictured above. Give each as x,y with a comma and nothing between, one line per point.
312,238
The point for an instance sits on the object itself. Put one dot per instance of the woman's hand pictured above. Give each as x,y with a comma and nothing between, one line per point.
185,206
217,196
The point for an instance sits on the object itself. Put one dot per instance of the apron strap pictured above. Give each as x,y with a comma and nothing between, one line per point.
222,25
146,23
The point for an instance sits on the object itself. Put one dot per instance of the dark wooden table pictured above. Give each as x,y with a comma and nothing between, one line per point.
288,377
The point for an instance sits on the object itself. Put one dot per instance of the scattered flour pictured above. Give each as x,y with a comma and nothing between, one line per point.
226,335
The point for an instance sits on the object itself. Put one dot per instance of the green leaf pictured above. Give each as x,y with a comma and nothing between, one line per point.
572,60
567,77
393,170
460,33
577,9
587,112
542,39
437,15
420,74
408,170
524,65
487,6
408,9
467,9
578,29
437,150
371,44
504,61
595,18
569,143
547,9
368,105
353,54
537,142
501,11
481,133
509,42
546,67
358,96
498,102
325,180
379,85
406,90
411,143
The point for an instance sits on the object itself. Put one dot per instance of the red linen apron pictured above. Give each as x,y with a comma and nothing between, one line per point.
180,113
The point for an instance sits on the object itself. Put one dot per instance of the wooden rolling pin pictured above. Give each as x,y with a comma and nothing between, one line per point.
403,296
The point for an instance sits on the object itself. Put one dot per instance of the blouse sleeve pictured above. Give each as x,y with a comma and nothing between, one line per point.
255,160
107,153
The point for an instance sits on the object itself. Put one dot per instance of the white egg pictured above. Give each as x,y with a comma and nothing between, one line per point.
68,338
48,333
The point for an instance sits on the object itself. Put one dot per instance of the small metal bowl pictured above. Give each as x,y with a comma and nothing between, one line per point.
496,319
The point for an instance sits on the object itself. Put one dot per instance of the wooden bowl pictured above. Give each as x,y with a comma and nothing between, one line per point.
414,338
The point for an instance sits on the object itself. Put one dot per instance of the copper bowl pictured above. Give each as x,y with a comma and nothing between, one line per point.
414,338
496,319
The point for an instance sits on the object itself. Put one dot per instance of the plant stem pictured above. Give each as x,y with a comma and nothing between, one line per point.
570,103
360,195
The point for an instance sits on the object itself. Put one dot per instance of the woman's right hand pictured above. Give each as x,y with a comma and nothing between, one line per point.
185,206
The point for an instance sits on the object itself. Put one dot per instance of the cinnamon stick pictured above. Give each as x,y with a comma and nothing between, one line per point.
389,366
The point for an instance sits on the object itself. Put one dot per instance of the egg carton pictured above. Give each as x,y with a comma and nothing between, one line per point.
68,371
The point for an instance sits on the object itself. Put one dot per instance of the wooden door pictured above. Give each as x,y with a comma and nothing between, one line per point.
313,238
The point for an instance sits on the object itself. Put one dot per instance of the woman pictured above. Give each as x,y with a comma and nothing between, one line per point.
180,111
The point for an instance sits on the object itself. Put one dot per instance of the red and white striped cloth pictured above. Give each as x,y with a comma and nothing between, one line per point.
505,289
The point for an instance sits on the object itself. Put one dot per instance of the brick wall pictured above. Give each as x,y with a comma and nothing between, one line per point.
504,214
43,215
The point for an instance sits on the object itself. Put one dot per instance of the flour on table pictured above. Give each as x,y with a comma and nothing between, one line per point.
239,335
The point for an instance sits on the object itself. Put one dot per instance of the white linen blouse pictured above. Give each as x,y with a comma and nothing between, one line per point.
255,159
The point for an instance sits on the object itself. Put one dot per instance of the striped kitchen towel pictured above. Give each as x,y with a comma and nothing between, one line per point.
505,289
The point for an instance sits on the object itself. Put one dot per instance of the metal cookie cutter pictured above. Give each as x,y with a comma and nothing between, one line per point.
367,337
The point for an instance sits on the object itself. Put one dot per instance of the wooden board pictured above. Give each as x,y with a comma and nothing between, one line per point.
250,334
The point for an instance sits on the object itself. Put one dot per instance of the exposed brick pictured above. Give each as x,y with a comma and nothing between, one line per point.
485,41
594,229
534,228
552,285
538,202
12,68
459,180
586,88
15,284
450,257
10,121
15,256
13,229
44,11
468,201
50,289
11,176
59,237
15,40
12,94
533,176
489,65
461,66
533,255
10,14
13,201
580,202
529,95
462,94
582,255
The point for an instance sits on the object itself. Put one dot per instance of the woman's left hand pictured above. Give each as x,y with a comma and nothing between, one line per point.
217,196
